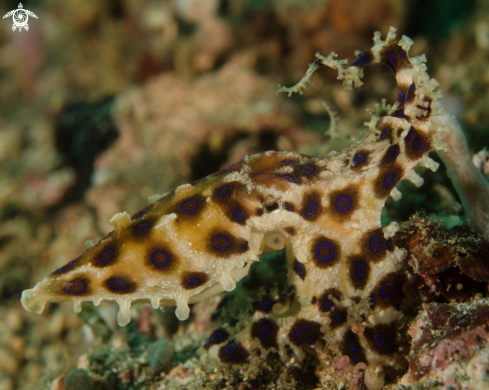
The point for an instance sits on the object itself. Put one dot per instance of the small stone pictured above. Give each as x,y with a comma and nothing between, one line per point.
78,379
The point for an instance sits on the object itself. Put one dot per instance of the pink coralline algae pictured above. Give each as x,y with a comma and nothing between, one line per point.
450,346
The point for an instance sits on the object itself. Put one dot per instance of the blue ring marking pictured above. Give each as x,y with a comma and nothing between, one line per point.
378,340
355,359
259,212
313,300
401,53
238,216
263,340
410,133
103,254
287,162
78,282
339,318
389,180
153,259
360,270
142,227
417,143
412,87
339,200
358,158
353,345
122,286
289,208
224,191
328,303
403,97
66,267
318,252
189,211
287,177
393,152
400,114
266,305
392,59
383,135
300,269
383,294
266,329
193,281
311,209
307,169
360,59
228,243
230,348
216,337
373,245
302,331
138,214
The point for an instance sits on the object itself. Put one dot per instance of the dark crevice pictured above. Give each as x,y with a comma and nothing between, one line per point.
83,131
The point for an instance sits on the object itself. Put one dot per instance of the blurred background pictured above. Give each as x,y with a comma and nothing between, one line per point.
103,104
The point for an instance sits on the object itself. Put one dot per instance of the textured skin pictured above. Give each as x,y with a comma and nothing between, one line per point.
346,275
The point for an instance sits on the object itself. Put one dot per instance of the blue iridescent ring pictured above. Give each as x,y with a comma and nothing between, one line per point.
392,59
410,133
157,263
375,244
216,337
287,162
224,191
378,340
78,287
307,169
238,216
142,227
266,329
328,303
401,97
339,318
266,305
311,209
192,204
389,180
318,252
302,331
360,270
353,345
300,269
287,177
384,293
220,246
66,267
340,200
393,152
230,348
358,158
384,133
193,281
116,284
360,59
106,255
417,143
